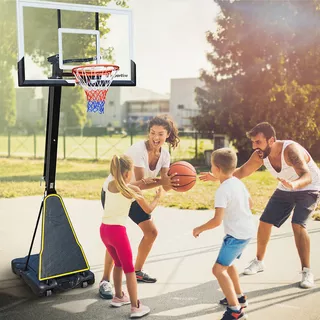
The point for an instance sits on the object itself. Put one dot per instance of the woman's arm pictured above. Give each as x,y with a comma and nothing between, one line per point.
167,182
144,183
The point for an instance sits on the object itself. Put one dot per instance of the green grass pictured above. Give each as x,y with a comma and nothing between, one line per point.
83,179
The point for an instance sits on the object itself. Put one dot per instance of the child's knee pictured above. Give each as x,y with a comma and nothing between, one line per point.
217,269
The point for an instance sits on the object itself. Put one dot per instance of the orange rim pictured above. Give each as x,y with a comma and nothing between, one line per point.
96,72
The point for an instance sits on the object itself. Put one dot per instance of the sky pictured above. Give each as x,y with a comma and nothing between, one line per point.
169,39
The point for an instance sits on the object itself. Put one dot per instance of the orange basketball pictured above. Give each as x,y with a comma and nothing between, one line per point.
186,173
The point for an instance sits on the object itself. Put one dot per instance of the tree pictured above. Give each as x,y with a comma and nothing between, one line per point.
41,42
73,104
265,67
7,60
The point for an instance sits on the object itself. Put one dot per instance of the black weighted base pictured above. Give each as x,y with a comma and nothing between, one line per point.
50,286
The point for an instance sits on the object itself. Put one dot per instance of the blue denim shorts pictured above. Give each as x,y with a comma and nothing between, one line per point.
231,250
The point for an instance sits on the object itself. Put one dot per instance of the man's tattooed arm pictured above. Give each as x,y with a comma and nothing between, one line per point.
294,156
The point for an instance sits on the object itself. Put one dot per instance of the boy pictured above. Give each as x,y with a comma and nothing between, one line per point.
232,206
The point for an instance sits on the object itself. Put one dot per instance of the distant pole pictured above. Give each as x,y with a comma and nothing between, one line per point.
9,143
64,144
131,134
96,147
196,144
35,145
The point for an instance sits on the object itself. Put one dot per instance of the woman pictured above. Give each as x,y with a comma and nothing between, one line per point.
149,159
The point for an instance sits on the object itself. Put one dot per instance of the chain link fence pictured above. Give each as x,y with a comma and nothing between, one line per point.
75,143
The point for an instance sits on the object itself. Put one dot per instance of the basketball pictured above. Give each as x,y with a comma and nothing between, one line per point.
186,173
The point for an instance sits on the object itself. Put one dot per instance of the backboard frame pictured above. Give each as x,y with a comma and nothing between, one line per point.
21,4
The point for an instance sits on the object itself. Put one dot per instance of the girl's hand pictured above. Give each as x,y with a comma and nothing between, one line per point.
207,176
159,192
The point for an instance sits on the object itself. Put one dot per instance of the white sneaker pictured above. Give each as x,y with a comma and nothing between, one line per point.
307,279
254,267
138,312
105,290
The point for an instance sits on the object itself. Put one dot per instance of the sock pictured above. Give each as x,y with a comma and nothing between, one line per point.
235,308
104,280
240,295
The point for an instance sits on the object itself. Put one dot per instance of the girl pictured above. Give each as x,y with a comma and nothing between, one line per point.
149,159
119,194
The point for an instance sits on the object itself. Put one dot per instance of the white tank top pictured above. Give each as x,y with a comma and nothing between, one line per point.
288,173
116,208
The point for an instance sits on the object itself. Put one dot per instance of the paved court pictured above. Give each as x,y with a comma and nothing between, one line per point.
185,289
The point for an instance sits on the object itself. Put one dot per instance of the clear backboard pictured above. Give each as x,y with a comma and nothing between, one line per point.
66,35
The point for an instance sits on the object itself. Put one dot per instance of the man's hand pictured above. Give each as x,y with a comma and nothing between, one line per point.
288,184
207,176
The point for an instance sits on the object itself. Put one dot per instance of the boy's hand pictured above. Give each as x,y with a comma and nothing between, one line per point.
207,176
196,232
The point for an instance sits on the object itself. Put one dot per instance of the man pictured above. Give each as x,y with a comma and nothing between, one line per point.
297,191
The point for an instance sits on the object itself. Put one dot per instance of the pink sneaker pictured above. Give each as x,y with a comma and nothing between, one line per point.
118,302
140,311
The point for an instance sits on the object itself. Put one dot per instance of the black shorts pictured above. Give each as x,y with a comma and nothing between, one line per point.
282,203
136,213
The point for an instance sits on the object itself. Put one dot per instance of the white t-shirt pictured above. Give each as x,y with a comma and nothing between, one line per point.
233,196
139,154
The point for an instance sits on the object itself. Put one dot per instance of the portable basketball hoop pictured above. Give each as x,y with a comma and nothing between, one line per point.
95,79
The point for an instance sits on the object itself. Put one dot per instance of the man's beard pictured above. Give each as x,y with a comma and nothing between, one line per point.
264,153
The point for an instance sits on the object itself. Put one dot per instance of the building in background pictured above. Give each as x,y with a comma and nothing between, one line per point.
130,106
125,107
182,101
31,108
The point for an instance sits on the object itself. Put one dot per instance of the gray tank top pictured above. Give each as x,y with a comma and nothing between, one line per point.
288,173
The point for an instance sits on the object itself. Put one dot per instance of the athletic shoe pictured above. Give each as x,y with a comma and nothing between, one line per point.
242,301
105,290
144,277
119,302
307,279
140,311
234,315
254,267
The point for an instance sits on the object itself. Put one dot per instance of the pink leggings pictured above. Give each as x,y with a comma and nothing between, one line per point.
117,243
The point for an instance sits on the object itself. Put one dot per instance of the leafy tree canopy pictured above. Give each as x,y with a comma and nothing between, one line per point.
265,67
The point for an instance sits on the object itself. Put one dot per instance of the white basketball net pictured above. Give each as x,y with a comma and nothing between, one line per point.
95,80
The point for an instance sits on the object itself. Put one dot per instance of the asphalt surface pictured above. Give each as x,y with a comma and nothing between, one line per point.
185,288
